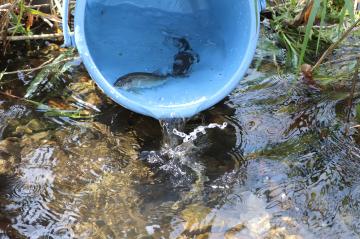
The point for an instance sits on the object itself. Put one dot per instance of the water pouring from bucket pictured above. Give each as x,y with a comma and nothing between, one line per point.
165,59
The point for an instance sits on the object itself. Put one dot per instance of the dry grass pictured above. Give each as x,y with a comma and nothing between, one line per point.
8,7
26,20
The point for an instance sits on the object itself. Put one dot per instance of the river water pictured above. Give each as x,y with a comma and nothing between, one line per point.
279,163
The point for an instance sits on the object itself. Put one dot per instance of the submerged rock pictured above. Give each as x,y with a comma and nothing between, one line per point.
33,126
196,224
10,152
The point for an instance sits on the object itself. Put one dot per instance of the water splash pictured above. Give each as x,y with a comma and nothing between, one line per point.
172,147
200,129
179,151
174,157
167,128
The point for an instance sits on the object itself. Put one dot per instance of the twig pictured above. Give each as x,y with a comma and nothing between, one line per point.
11,96
59,7
39,5
345,58
303,28
29,70
47,22
280,6
5,6
351,98
34,37
49,62
20,98
324,27
335,44
7,82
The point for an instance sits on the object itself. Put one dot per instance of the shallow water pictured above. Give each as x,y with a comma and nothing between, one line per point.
283,166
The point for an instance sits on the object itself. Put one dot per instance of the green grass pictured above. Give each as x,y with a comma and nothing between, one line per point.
326,22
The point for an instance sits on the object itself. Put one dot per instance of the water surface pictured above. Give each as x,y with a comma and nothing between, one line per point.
283,166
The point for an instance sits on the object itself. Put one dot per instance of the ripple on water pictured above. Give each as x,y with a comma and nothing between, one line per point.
314,188
14,112
31,194
271,173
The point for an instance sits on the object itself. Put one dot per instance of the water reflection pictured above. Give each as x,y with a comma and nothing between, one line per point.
282,168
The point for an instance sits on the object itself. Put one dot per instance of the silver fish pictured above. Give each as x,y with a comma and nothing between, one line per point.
140,80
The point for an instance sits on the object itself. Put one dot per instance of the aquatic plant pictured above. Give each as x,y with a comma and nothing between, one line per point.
50,76
312,28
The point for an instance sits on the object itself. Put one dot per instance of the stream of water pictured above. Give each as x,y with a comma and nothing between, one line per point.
273,160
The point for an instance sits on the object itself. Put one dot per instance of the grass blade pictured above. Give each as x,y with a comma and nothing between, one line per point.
48,75
309,26
349,5
341,20
322,21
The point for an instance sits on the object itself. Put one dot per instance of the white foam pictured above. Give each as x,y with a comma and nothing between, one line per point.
200,129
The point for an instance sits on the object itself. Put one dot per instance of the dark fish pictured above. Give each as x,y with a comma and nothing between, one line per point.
182,44
185,58
183,62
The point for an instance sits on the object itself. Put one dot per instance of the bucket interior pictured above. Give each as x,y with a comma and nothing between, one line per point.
134,37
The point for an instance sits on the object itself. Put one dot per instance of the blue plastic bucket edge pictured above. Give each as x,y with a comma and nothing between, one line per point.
166,112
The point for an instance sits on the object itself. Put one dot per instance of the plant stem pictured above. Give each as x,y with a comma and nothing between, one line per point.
351,98
47,63
335,44
5,6
34,37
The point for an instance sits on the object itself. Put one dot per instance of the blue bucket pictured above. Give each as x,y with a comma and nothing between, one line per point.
177,57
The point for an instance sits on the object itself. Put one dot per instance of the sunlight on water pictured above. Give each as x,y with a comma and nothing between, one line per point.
268,171
270,161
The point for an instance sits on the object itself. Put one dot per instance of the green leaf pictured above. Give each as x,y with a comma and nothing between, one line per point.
74,114
357,109
48,75
341,20
309,26
45,15
39,80
322,21
19,18
292,53
16,21
349,5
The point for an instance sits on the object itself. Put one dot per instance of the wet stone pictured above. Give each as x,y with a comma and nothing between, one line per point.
40,136
94,99
8,166
2,166
31,140
21,130
35,125
10,147
195,223
32,126
10,155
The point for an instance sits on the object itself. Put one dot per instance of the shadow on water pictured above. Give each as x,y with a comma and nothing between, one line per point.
283,166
